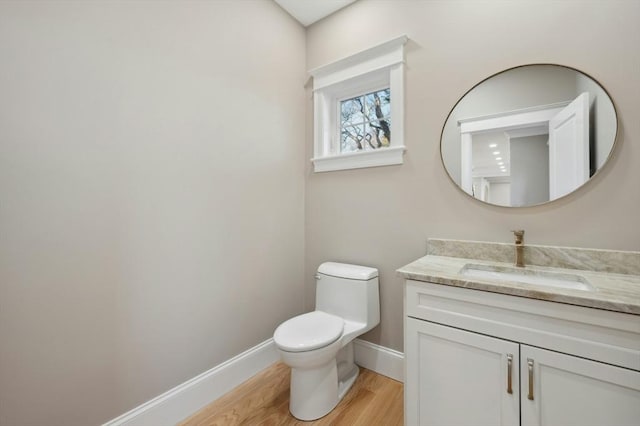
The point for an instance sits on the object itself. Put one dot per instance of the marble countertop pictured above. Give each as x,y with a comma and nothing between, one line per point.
612,291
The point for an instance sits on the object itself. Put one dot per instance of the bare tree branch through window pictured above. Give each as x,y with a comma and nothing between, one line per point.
365,122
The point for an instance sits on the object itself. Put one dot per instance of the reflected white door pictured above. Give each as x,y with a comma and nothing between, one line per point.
569,147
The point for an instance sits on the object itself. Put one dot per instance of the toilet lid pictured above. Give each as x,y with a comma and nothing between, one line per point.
308,332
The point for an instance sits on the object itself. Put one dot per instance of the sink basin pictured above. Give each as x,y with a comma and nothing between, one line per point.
527,276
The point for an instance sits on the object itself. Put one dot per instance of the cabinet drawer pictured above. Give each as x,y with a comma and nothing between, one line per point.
595,334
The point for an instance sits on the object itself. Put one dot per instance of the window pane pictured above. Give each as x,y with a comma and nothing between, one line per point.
370,106
385,102
351,138
378,134
364,121
351,111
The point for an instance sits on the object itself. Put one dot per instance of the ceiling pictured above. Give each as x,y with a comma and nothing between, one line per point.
309,11
490,154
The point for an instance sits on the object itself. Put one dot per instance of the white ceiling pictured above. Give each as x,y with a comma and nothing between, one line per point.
486,149
309,11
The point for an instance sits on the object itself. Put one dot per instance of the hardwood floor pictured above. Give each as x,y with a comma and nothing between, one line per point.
264,400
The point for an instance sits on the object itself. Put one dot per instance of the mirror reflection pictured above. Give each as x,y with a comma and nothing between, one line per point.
528,135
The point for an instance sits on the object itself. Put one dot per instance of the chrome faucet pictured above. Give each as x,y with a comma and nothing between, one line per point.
519,234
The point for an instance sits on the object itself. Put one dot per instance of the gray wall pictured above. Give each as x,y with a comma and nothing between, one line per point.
151,197
454,45
500,193
529,170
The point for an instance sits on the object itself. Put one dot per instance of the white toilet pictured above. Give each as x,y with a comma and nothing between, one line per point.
318,346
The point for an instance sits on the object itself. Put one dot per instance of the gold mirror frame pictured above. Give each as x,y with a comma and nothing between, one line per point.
607,118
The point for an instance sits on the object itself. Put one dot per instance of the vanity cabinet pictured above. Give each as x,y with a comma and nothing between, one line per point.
480,358
456,377
568,390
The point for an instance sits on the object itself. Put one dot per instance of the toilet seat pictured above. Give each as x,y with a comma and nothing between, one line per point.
308,332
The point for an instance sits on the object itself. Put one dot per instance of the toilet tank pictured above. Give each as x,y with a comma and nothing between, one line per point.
349,291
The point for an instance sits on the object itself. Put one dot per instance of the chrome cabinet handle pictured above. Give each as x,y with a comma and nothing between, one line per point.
530,367
509,368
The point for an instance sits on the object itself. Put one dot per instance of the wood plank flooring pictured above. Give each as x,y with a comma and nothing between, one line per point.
264,400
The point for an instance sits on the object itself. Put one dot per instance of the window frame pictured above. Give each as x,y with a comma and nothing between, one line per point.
379,67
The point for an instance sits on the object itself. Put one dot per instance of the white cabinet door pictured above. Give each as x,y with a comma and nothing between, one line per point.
568,390
456,377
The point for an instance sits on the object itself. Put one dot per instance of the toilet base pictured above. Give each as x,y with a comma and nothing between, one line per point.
347,369
345,384
316,391
313,392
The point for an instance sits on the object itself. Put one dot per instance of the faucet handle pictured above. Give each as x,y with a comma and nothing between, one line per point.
519,234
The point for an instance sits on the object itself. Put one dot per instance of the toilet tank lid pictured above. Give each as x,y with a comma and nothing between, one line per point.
345,270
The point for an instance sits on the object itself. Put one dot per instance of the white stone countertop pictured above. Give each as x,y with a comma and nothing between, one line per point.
612,291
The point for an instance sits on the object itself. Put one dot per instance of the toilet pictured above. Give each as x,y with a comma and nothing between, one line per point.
318,346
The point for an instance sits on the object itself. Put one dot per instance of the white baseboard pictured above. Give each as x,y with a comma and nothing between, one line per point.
187,398
380,359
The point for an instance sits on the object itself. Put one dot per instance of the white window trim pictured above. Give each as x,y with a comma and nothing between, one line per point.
369,70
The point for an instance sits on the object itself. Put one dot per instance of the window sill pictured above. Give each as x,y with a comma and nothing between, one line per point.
358,160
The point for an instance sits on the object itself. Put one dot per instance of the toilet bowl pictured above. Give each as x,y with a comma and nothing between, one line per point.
318,346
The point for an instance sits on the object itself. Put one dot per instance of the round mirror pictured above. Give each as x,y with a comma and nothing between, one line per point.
528,135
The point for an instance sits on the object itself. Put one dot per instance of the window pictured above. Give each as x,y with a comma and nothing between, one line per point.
358,109
365,122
